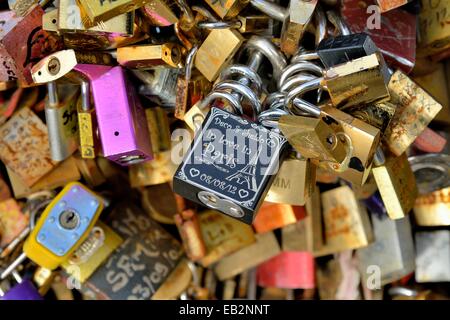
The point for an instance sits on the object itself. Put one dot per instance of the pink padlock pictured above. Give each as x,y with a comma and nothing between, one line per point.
288,270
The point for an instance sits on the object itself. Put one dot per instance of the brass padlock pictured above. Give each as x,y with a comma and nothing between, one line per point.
293,183
347,224
378,115
216,51
415,110
103,10
313,138
228,8
254,24
356,82
397,185
149,56
158,125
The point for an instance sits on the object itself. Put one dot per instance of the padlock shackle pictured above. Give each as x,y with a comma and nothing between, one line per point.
85,96
190,58
298,67
338,22
321,24
299,91
271,9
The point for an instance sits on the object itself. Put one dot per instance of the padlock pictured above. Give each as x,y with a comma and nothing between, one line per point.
160,203
21,7
216,51
432,172
189,228
159,130
294,236
415,110
160,87
86,123
149,56
24,290
24,147
61,228
254,24
160,13
222,236
101,242
272,216
12,222
176,283
137,268
123,130
433,209
238,188
69,19
288,270
397,185
434,32
293,183
43,278
64,172
338,278
103,10
378,115
265,248
436,84
28,43
392,251
365,139
297,18
160,170
62,124
313,138
433,256
227,9
358,81
346,222
395,35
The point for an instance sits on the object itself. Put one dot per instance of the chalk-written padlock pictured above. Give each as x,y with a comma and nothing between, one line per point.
123,128
392,251
238,188
62,124
24,290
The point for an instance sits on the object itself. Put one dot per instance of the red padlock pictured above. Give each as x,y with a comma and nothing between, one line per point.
288,270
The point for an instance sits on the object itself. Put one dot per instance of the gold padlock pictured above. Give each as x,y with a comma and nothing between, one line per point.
313,138
293,183
357,82
227,8
397,185
347,224
158,125
254,24
415,110
378,115
149,56
216,51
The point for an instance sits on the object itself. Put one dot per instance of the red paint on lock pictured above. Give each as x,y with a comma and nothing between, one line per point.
288,270
396,38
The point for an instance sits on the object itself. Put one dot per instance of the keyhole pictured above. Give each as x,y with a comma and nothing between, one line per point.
69,219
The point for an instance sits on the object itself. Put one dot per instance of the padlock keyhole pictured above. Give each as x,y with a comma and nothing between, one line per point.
116,133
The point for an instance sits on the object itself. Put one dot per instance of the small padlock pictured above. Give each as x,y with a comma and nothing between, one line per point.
293,183
433,209
159,129
149,56
24,290
392,251
62,124
347,224
432,257
222,236
415,110
254,24
103,10
397,185
288,270
86,123
123,130
63,225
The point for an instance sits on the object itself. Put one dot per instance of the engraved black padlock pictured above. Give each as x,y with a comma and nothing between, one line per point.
230,165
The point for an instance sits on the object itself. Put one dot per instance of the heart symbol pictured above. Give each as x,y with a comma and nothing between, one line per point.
194,172
243,193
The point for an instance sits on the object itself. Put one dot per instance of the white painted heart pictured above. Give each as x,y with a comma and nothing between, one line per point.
243,193
194,172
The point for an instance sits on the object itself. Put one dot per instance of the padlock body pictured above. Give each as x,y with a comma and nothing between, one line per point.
229,175
63,226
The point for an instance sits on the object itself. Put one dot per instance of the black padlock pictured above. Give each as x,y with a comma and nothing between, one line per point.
230,165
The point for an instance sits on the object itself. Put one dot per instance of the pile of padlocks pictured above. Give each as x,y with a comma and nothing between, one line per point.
231,149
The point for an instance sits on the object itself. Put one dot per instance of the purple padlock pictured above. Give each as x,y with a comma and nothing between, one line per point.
25,290
122,124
